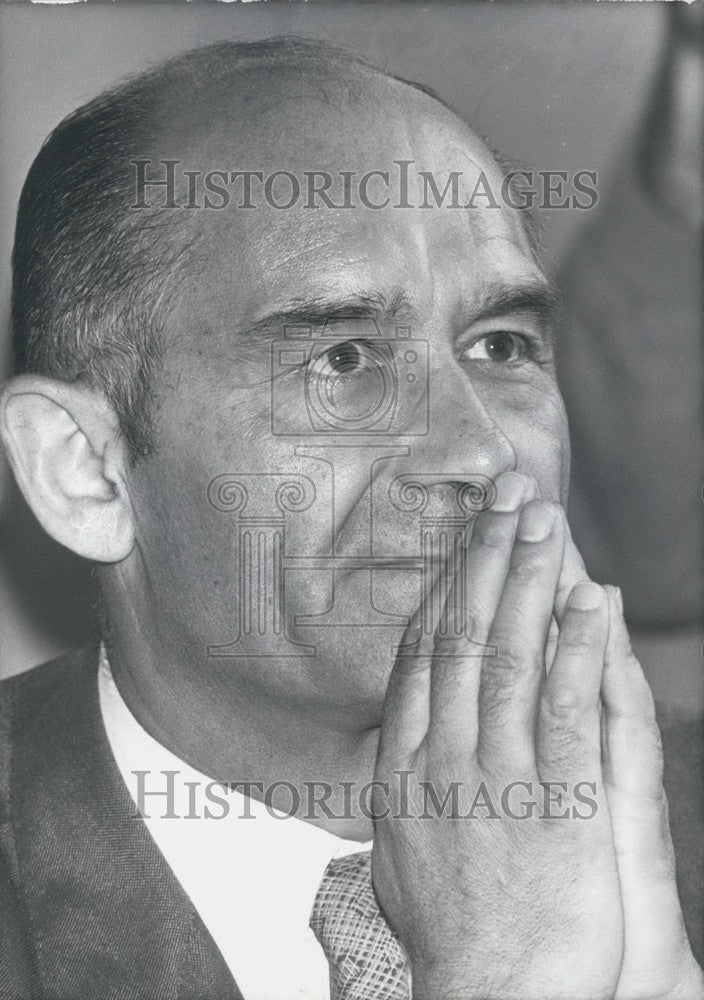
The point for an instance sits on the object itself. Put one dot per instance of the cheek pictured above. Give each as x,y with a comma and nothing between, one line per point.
184,541
533,418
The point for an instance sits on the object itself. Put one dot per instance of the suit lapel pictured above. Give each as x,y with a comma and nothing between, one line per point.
109,917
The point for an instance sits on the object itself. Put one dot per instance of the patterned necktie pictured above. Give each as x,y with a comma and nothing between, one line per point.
366,960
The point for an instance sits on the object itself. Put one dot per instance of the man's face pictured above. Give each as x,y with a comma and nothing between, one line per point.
350,369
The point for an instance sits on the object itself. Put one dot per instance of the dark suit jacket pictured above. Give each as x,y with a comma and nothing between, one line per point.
89,908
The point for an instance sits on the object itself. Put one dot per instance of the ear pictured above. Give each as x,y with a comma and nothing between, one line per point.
69,458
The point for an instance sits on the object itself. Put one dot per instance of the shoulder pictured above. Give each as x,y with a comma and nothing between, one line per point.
18,971
32,704
39,697
20,691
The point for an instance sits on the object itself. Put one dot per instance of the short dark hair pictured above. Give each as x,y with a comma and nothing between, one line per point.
88,273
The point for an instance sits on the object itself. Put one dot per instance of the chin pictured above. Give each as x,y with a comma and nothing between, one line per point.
351,671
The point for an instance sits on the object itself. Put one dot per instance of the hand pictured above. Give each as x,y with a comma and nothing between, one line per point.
503,907
658,960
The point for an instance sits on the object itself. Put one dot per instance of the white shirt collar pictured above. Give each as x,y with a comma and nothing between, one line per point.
252,880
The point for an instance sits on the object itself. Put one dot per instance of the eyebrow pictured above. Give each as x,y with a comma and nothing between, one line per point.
539,298
494,300
319,309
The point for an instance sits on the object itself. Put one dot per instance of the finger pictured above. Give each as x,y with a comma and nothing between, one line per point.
633,768
471,606
489,553
569,741
551,645
407,702
510,680
406,709
573,570
633,748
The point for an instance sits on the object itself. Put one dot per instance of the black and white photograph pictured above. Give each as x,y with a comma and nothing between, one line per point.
352,500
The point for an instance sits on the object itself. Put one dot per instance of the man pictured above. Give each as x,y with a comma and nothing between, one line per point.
315,448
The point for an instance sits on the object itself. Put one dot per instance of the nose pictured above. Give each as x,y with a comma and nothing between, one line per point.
464,442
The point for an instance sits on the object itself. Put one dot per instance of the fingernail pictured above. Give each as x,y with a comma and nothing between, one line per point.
619,599
586,596
510,490
537,520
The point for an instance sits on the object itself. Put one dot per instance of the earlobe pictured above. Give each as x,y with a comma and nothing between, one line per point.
68,456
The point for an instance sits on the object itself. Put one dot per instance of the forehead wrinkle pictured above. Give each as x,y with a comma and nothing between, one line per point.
530,223
468,150
513,226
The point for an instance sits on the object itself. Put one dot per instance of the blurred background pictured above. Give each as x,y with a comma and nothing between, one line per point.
612,88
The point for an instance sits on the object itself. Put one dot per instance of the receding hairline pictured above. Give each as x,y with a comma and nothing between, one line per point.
89,277
210,71
295,56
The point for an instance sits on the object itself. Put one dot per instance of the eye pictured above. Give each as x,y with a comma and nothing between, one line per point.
349,357
501,346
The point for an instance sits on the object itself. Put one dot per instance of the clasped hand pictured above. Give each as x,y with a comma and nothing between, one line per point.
548,691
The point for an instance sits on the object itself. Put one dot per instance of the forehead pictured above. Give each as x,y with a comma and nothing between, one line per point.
306,133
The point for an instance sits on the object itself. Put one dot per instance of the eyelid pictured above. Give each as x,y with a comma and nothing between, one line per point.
331,343
314,360
529,347
522,326
538,343
522,345
525,335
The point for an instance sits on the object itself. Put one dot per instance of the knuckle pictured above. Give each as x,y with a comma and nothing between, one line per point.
567,720
450,672
562,702
511,657
578,639
448,647
489,535
495,701
561,741
527,564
